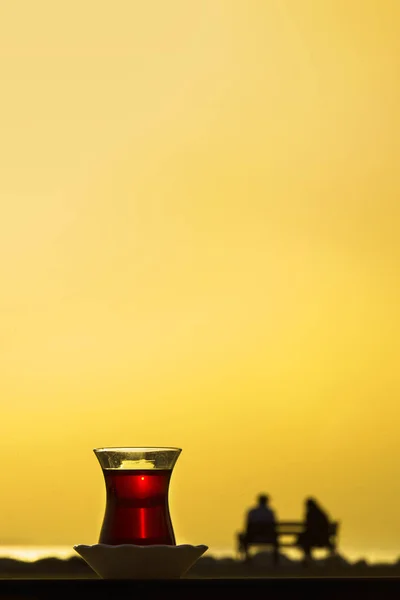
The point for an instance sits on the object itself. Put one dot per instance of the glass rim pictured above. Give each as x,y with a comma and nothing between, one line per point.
137,449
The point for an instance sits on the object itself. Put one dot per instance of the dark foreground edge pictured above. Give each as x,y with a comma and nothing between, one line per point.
341,588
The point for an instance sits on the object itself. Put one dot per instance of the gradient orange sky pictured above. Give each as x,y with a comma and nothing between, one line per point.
199,246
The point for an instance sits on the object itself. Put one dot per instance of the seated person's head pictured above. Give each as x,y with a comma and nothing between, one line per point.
263,500
312,504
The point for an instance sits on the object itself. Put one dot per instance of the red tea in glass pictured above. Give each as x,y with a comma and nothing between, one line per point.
137,484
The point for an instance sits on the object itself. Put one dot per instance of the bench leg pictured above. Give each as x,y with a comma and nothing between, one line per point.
307,555
241,545
246,553
275,554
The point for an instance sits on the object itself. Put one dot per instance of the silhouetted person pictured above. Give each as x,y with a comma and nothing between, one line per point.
261,525
316,533
262,513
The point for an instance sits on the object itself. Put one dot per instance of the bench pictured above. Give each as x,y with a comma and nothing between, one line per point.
283,535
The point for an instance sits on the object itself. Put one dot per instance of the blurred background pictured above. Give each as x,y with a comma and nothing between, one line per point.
199,247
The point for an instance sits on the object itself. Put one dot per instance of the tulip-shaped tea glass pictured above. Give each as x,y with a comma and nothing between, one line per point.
137,483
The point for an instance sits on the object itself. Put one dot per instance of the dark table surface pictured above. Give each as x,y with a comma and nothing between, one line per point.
340,588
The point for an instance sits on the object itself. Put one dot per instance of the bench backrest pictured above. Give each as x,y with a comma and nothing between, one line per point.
334,528
271,529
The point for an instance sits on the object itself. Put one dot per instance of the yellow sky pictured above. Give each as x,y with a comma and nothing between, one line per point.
199,246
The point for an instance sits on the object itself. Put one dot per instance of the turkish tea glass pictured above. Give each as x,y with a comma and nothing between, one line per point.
137,484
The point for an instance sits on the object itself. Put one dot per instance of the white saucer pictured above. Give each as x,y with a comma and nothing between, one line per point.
140,562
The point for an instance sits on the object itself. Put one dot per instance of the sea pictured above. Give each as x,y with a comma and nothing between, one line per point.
32,553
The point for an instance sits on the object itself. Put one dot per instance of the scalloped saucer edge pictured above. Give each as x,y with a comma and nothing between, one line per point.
128,561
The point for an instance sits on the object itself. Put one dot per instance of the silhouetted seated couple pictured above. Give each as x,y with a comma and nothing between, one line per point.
263,528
